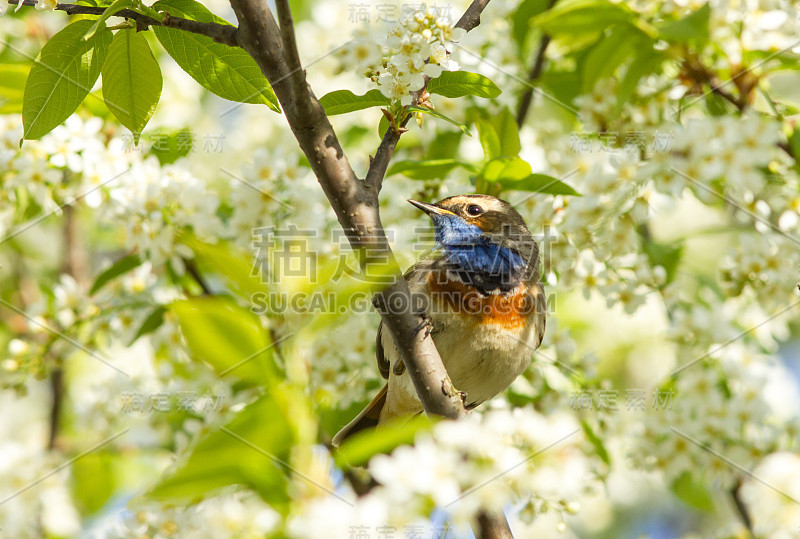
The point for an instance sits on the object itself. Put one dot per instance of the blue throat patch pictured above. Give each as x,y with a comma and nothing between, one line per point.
478,260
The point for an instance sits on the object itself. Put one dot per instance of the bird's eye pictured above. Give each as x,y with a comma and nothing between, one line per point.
474,210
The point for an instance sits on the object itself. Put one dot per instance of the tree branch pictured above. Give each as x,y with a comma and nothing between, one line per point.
221,33
472,16
493,525
740,506
355,203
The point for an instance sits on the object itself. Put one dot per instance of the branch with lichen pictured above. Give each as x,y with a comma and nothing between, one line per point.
221,33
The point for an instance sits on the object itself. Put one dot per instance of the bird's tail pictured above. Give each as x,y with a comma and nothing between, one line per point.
367,418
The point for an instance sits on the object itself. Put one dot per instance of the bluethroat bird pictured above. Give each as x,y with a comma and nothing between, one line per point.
481,291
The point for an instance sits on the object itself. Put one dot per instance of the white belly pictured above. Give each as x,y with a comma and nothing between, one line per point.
481,361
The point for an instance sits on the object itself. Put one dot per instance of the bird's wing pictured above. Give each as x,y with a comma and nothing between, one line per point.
380,355
414,276
540,319
369,417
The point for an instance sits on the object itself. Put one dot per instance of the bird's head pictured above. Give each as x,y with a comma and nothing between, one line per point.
483,235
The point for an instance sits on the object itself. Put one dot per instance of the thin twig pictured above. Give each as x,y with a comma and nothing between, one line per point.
741,508
472,16
191,268
221,33
533,76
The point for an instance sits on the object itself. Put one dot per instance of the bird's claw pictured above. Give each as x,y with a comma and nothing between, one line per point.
426,324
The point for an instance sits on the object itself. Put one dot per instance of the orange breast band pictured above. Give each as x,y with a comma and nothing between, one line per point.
507,310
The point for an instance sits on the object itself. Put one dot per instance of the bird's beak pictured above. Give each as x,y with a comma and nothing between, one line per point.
430,209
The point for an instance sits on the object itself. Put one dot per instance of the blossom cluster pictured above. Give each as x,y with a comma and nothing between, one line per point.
485,462
416,48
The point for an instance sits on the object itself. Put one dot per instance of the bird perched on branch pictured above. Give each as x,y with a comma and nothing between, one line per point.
481,291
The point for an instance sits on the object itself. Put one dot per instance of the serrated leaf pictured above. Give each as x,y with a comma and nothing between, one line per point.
425,110
228,72
114,8
121,266
426,170
12,85
460,83
131,81
62,76
343,101
151,323
227,337
692,492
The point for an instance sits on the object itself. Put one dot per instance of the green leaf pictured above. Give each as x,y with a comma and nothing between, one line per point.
93,480
596,442
445,145
383,126
227,337
362,446
521,20
621,42
252,450
460,83
666,255
235,267
12,84
169,147
424,110
111,10
62,75
505,125
490,142
426,170
228,72
342,101
131,81
121,266
692,492
693,26
514,174
649,61
577,17
151,323
794,146
505,168
539,183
